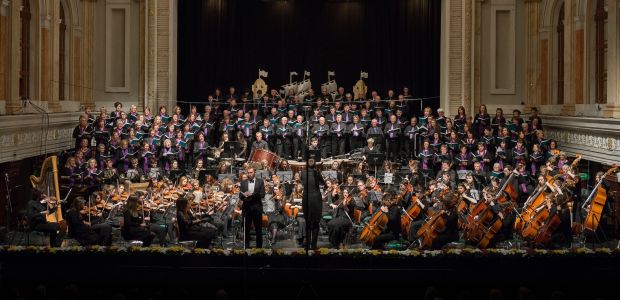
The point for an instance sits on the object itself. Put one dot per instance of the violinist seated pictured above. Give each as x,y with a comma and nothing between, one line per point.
37,210
341,222
134,226
190,228
392,230
275,214
83,230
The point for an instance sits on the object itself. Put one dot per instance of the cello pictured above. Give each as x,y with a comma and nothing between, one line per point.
374,228
595,202
429,231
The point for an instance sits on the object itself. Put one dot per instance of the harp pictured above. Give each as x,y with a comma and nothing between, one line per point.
47,183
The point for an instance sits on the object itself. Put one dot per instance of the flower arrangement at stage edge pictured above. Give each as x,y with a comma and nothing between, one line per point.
325,252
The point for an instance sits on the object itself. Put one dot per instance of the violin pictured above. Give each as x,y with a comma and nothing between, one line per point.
93,211
120,197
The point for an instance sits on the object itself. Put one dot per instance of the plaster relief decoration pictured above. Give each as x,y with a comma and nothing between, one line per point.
606,143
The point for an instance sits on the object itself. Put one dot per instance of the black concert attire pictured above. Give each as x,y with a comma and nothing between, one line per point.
338,139
283,141
132,229
98,234
321,132
312,204
341,223
356,136
392,133
392,230
450,234
377,134
299,140
190,230
38,222
253,209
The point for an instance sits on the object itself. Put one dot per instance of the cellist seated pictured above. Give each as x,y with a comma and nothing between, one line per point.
37,210
392,229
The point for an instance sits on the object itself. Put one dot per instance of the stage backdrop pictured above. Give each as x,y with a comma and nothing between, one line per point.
223,43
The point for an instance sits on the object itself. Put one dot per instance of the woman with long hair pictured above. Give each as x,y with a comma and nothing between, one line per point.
134,225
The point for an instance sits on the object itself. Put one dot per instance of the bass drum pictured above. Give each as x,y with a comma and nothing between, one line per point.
258,155
298,166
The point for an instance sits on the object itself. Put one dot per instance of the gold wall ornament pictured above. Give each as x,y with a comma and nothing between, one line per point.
360,88
259,88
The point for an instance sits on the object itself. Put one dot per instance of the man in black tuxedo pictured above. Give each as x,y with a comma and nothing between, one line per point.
252,194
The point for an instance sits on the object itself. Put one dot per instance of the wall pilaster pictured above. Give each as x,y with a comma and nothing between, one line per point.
457,88
533,54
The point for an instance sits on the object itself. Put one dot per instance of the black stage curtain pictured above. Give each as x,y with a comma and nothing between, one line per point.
223,43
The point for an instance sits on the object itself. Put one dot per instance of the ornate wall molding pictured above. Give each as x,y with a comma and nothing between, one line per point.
23,136
598,139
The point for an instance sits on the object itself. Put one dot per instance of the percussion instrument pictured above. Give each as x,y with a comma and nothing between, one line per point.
297,166
258,155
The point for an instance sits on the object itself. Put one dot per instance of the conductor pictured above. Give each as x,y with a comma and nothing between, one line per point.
252,192
311,204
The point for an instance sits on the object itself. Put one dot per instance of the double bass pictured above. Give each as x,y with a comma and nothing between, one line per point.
595,202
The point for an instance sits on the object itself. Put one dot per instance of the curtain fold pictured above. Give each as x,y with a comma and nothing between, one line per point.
223,43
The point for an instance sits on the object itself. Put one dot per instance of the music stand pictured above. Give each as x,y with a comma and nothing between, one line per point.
231,148
314,154
330,174
374,196
375,160
176,174
231,176
262,174
201,176
285,175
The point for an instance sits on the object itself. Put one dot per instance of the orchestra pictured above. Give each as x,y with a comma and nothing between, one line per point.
351,172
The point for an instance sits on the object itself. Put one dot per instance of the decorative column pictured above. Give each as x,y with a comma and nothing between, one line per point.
4,44
48,59
12,60
87,44
532,97
568,109
456,58
160,53
612,110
